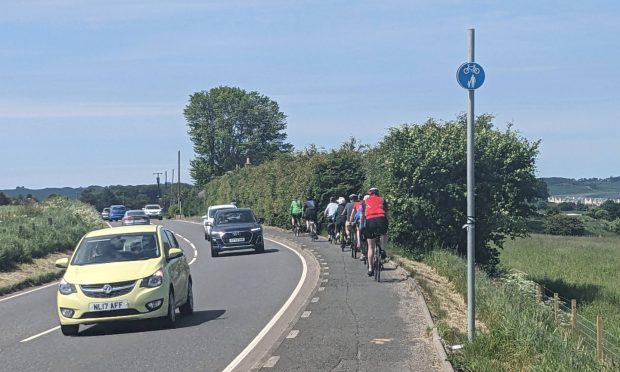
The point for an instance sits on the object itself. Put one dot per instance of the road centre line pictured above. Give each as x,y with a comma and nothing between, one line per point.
276,317
40,334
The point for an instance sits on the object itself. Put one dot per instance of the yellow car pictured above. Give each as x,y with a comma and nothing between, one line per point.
124,273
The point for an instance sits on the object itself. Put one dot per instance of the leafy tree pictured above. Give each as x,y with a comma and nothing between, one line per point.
422,172
560,224
228,124
567,206
4,200
612,208
543,190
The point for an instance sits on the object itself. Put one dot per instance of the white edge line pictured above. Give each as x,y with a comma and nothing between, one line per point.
193,247
276,317
30,291
40,334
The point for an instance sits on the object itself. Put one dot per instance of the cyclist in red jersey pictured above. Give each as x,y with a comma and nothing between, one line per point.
375,211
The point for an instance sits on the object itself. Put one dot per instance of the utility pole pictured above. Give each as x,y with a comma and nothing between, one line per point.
157,174
179,178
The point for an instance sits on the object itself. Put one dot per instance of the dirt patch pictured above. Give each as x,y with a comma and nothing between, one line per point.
38,267
452,305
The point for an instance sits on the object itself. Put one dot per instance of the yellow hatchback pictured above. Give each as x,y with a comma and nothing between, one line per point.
124,273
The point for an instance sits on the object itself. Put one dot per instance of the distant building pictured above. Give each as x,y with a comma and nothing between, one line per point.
585,200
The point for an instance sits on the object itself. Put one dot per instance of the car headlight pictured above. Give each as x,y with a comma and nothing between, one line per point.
154,280
65,288
218,233
256,229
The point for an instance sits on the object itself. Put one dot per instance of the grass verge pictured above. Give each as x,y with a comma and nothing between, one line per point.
518,334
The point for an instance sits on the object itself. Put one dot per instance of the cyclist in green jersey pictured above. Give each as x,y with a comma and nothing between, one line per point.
296,211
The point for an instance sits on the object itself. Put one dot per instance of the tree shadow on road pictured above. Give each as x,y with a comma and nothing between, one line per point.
149,325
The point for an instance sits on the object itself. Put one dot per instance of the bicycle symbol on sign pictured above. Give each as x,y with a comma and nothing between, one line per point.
471,69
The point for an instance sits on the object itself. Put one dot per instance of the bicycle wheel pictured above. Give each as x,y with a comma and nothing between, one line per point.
376,259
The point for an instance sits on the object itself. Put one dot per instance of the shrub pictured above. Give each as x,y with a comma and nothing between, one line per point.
560,224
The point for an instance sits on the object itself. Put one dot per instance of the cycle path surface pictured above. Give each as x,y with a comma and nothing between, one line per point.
352,322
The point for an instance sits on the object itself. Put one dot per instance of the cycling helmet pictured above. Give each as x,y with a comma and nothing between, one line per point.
353,197
341,200
332,199
373,190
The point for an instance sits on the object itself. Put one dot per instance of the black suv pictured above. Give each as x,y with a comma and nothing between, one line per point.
235,229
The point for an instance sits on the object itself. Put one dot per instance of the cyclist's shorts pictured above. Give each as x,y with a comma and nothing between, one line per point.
296,215
311,215
375,227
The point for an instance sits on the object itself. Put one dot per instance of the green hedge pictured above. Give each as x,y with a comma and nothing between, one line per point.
269,187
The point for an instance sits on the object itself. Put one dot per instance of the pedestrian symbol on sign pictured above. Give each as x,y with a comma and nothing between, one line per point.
470,76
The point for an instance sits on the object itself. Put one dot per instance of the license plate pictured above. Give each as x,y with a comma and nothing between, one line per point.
107,306
236,240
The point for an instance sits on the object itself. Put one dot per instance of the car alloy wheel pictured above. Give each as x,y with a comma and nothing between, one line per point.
170,319
188,307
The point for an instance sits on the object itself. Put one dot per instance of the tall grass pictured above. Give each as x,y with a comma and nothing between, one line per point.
521,335
26,232
583,268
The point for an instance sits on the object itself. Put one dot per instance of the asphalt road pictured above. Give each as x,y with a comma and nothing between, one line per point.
235,297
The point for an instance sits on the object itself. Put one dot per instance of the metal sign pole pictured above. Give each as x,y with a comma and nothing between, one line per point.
471,212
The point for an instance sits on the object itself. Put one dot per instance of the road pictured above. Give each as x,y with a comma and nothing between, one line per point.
236,296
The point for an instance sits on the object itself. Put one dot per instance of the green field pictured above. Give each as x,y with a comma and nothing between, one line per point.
34,231
596,188
583,268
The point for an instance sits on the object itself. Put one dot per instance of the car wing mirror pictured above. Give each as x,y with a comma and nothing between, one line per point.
63,263
175,253
204,217
261,220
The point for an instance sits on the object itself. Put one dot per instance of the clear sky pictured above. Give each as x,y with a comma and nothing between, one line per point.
93,92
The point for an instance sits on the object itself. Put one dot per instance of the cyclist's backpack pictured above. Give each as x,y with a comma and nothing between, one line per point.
311,204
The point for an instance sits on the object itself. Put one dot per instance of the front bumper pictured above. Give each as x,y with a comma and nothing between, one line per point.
137,300
222,243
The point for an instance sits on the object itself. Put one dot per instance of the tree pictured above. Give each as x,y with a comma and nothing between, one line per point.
561,224
228,124
4,200
422,172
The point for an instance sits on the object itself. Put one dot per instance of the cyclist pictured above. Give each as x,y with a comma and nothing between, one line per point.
309,212
296,211
349,211
329,213
375,212
340,217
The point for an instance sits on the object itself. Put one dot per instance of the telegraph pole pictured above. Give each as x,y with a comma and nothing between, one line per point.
157,174
179,178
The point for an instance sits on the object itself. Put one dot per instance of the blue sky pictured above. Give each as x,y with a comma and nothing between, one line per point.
92,92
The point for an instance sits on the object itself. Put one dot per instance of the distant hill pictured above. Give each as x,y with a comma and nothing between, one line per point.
41,194
608,188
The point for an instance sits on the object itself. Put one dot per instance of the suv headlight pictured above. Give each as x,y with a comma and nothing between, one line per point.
65,288
256,229
154,280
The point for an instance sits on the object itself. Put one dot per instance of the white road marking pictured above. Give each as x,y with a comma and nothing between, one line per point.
314,299
324,280
321,289
293,333
275,318
326,273
271,362
30,291
40,334
193,247
306,314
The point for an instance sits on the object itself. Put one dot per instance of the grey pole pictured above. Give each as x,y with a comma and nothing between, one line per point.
471,211
179,179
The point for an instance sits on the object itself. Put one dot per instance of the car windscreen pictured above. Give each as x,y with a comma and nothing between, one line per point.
116,248
118,208
135,213
152,207
232,216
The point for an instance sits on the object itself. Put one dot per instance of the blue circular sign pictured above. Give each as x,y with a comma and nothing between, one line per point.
470,75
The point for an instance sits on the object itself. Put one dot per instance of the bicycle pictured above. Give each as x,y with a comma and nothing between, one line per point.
313,234
377,259
471,68
331,231
353,242
342,239
296,230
